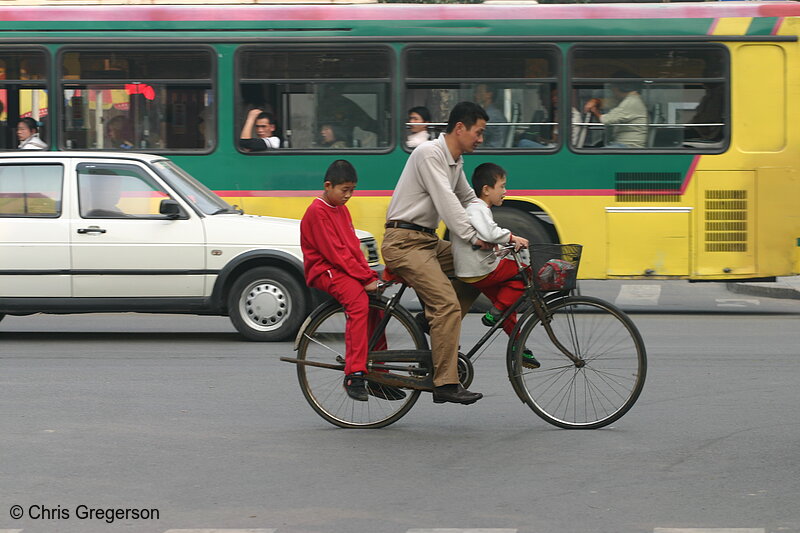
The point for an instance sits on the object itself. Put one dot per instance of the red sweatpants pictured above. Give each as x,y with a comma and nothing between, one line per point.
502,291
351,294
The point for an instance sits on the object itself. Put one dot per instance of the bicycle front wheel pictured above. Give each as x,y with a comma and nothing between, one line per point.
599,389
323,341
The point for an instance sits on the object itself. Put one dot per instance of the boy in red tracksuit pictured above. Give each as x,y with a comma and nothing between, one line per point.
334,263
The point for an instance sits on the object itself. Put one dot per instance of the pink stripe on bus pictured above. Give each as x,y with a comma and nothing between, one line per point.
391,12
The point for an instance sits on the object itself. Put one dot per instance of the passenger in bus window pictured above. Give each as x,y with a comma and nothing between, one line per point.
628,120
119,132
418,134
330,136
486,97
265,125
28,135
708,111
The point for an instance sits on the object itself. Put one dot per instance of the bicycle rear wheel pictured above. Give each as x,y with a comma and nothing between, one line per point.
322,340
568,395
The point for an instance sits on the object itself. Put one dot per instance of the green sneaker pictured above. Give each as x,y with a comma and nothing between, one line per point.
528,360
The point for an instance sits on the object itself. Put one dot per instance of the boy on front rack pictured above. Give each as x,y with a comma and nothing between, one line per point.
334,263
495,277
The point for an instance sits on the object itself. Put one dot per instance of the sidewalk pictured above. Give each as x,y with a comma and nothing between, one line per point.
784,287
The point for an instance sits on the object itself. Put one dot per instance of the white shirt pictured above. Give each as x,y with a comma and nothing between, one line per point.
33,143
415,139
471,263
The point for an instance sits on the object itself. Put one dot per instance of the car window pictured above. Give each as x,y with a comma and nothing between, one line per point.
31,190
118,191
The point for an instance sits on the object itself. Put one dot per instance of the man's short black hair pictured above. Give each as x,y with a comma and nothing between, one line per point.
341,171
468,113
486,174
267,115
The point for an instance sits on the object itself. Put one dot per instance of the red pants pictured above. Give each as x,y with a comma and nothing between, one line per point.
351,294
503,291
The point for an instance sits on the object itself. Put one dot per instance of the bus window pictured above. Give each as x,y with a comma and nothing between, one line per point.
516,86
650,97
336,98
23,95
146,99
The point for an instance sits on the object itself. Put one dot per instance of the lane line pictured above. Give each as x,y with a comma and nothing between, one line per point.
457,530
220,531
708,530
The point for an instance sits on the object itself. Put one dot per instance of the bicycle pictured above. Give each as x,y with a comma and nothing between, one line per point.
593,360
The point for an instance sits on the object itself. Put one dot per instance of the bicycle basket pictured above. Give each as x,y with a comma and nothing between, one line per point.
555,266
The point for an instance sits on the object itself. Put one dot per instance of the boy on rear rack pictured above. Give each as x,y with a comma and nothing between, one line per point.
496,278
334,263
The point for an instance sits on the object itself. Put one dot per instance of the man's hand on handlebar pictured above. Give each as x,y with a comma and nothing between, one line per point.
372,286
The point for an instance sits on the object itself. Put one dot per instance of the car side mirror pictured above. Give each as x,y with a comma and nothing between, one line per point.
170,208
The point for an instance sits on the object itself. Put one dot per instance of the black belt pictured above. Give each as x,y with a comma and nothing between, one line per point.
406,225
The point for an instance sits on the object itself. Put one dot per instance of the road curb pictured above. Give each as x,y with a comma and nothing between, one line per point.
767,290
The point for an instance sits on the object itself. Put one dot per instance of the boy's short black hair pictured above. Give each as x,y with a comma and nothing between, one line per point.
341,171
486,174
468,113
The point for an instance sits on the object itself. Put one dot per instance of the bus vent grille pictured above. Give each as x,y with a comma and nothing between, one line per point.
726,221
658,187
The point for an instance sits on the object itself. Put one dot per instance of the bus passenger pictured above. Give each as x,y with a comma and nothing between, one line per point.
628,119
431,188
330,136
495,136
496,278
28,135
120,132
265,126
418,134
334,263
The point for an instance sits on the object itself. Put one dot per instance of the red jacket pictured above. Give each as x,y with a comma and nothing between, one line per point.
329,241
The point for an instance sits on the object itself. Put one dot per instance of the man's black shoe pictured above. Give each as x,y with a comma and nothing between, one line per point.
386,392
455,393
355,386
422,322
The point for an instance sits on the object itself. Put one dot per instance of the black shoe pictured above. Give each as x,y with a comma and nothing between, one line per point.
455,393
355,386
528,360
385,392
422,322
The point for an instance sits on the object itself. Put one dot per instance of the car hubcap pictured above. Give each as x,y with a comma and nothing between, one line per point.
265,304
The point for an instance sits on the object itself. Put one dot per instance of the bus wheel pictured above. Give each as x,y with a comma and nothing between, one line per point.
523,224
266,304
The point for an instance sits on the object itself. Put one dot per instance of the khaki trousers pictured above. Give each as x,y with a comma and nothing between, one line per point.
425,262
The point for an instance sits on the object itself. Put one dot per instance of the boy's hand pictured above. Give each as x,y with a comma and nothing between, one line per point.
253,113
483,245
519,242
372,286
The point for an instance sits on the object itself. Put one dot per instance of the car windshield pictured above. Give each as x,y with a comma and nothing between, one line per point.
192,190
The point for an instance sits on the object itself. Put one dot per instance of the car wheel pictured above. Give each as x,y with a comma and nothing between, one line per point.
267,304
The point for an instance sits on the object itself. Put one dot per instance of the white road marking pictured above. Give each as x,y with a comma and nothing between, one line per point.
708,530
737,302
220,531
638,295
10,530
457,530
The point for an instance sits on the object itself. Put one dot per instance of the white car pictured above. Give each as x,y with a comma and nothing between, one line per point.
88,232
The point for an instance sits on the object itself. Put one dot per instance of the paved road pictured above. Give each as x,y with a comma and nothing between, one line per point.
176,414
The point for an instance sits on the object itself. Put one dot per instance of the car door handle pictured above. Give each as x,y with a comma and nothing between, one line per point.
91,229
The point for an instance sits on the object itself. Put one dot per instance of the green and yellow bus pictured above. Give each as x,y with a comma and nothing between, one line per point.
705,186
